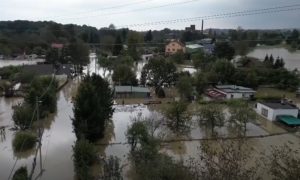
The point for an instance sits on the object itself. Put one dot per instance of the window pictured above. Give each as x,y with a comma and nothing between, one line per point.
169,49
173,44
173,49
264,112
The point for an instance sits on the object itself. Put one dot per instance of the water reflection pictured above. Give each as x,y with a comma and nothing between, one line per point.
291,59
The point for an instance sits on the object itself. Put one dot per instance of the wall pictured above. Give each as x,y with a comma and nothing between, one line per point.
272,113
174,47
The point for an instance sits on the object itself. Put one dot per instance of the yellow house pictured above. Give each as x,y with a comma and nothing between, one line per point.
174,46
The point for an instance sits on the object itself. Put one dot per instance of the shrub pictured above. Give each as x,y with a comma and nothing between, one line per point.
21,174
160,92
23,116
84,156
24,141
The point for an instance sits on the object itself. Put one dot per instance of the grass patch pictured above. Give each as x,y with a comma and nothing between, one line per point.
24,141
271,93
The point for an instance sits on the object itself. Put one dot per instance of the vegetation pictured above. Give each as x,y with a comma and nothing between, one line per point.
185,87
23,116
148,162
224,50
84,157
92,108
226,160
283,163
123,75
23,141
211,115
178,118
112,169
21,174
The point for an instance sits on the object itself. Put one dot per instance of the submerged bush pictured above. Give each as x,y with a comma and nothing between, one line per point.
23,116
84,156
24,141
21,174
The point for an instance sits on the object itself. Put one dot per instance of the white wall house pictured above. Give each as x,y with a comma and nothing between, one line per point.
235,92
272,110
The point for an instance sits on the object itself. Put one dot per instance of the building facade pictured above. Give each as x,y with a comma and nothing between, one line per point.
272,110
174,46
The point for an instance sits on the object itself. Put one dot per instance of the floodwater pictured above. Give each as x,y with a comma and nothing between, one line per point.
57,140
291,59
4,62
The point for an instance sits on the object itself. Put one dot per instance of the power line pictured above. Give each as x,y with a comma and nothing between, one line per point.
131,11
221,15
103,9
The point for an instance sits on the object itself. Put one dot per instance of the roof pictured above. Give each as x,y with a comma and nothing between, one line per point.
119,89
194,46
234,89
176,41
278,105
214,94
289,120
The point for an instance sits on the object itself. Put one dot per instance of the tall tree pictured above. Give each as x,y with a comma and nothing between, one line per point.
123,75
184,86
224,50
148,36
92,108
118,46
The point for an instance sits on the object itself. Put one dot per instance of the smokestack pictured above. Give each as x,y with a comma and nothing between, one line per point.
202,26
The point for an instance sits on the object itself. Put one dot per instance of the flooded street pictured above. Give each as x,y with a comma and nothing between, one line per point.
57,141
291,59
4,62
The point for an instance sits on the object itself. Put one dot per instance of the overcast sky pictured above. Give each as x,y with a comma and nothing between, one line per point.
100,13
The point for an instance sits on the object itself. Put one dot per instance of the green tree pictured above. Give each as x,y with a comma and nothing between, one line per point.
283,163
224,50
92,108
22,116
241,114
178,118
84,156
118,46
201,82
184,86
21,174
148,36
224,70
123,75
160,71
177,57
24,141
211,115
137,134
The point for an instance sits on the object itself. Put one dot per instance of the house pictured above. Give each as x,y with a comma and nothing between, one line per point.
192,28
131,92
174,46
146,57
222,92
276,110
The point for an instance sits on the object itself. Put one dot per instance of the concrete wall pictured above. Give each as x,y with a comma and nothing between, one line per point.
273,113
238,95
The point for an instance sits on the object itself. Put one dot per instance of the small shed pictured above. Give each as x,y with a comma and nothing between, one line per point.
273,110
131,92
289,120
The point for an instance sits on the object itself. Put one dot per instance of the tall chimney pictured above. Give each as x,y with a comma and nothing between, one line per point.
202,26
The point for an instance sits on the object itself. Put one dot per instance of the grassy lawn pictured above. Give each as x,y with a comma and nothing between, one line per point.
263,92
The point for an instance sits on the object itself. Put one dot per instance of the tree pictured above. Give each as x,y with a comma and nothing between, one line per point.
21,174
178,57
148,36
106,63
201,82
178,118
283,163
211,115
24,141
133,39
22,116
224,70
185,87
118,46
137,134
224,159
279,63
224,50
160,71
92,108
241,114
78,53
123,75
84,156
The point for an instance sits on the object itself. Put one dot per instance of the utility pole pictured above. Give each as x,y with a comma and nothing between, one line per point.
40,132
